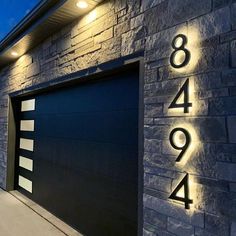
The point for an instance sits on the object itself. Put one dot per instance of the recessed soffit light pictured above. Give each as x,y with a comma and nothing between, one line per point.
14,53
82,4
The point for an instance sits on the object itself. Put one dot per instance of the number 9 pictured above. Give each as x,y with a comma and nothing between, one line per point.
184,147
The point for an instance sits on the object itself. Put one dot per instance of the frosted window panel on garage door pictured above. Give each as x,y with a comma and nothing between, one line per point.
27,144
27,125
26,163
28,105
25,183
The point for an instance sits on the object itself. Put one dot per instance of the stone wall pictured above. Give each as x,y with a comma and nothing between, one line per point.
121,27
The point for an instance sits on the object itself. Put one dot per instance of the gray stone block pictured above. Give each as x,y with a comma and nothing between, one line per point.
121,28
220,3
233,53
155,132
195,218
156,193
146,4
226,171
221,152
183,10
158,159
151,75
229,77
207,81
212,24
136,21
130,40
203,232
231,121
154,218
173,12
153,110
227,205
148,121
233,15
229,36
180,228
152,145
201,162
148,233
233,228
156,18
212,129
232,91
218,225
161,171
157,182
206,199
33,69
213,58
222,106
204,94
157,231
232,187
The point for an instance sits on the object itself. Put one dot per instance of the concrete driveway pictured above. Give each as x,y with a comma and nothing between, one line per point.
17,219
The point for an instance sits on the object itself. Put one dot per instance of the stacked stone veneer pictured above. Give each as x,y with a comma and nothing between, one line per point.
122,28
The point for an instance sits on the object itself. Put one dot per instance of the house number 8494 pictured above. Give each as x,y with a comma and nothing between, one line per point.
179,45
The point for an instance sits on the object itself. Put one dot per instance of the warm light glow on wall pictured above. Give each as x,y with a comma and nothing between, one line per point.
181,192
92,16
193,191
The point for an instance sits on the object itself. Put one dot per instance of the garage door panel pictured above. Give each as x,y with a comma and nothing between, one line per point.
93,98
114,127
25,153
27,135
26,173
94,158
91,193
85,154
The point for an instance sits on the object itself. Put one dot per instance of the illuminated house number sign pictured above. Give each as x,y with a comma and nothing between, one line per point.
178,44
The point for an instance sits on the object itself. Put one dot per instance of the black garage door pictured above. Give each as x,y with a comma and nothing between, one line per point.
77,154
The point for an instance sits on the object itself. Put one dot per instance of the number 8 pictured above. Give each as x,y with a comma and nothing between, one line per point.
178,49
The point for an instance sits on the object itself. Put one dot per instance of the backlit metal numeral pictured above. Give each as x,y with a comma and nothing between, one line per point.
185,199
186,104
178,48
183,148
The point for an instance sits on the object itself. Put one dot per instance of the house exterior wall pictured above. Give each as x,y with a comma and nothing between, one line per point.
122,27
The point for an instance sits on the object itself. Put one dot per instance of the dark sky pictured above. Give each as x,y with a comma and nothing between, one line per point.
11,12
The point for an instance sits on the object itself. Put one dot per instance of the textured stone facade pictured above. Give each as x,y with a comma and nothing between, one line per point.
122,27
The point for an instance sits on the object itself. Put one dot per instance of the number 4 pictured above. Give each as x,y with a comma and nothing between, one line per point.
186,104
184,183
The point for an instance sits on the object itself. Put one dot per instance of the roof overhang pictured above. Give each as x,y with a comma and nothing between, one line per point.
48,17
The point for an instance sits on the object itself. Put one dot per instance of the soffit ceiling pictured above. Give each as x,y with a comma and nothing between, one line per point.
47,18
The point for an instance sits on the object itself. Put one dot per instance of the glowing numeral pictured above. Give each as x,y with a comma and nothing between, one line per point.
178,49
185,198
186,104
176,146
